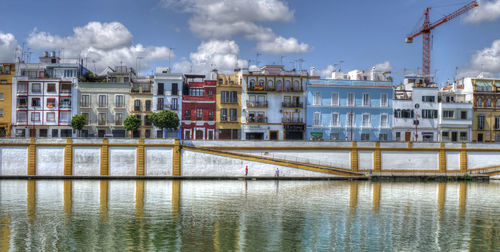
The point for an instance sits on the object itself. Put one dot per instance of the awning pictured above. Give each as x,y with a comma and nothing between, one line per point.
317,134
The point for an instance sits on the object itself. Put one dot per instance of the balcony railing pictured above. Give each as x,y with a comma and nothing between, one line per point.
22,91
292,89
65,105
292,105
257,104
173,107
159,106
292,120
257,119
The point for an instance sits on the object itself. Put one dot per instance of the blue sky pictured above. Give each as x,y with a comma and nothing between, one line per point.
207,33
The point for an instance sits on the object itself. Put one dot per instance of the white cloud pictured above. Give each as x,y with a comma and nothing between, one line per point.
220,54
220,19
327,72
485,61
8,46
383,67
107,44
486,11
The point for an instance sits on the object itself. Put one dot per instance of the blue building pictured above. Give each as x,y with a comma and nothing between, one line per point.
359,110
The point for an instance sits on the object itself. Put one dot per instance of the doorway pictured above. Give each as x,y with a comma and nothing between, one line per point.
273,135
199,135
454,136
407,136
32,132
480,137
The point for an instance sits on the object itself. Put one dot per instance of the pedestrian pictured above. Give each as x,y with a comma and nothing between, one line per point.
246,170
277,172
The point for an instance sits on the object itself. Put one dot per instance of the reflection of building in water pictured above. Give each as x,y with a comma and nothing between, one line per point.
68,197
5,233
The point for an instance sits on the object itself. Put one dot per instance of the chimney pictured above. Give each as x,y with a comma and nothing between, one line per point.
45,54
213,74
53,54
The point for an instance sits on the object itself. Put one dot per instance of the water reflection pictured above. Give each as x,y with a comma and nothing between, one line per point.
247,215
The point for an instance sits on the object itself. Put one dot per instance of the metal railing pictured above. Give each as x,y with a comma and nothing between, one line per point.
257,120
292,105
257,104
292,120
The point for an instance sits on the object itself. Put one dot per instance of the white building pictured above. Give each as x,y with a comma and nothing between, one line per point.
167,94
415,111
455,114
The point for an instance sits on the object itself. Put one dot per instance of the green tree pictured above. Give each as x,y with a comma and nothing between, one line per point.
77,123
132,123
164,119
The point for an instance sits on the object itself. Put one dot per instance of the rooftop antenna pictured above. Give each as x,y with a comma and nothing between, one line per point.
281,59
171,49
340,64
138,65
300,60
257,62
95,69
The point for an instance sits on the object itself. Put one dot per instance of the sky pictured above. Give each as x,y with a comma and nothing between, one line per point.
199,35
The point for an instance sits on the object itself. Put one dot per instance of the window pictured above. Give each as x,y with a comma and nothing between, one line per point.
119,101
159,104
51,102
384,100
480,122
428,98
35,102
137,105
210,93
498,103
51,88
22,88
20,133
479,102
445,135
403,113
366,120
427,136
223,115
159,134
66,133
335,99
317,98
463,115
366,100
125,79
449,114
174,89
43,133
251,85
220,81
429,113
335,119
488,103
51,117
65,102
199,114
365,137
350,119
383,137
187,115
21,116
211,115
36,88
317,118
334,136
85,101
384,121
148,105
233,115
147,121
173,106
118,119
35,116
497,123
196,92
101,119
103,101
161,90
1,112
66,88
86,116
1,96
224,96
55,133
21,102
350,100
398,136
233,97
65,117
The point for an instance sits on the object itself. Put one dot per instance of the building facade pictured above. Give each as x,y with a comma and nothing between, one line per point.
7,71
198,108
105,106
167,95
350,110
273,104
455,114
228,106
141,104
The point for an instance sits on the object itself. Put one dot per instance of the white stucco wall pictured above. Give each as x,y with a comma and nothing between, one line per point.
50,161
122,161
401,160
202,164
482,159
13,160
341,159
452,160
365,160
86,161
158,161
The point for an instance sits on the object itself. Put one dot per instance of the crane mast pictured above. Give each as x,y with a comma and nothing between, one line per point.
425,31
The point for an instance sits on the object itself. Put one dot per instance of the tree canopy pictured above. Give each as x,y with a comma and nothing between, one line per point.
165,119
132,123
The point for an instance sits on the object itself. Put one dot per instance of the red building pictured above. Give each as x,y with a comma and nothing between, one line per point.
198,108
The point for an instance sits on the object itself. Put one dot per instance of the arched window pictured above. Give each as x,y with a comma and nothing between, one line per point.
278,85
479,103
252,85
296,85
270,85
287,85
489,103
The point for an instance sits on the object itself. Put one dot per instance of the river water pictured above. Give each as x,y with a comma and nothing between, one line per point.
241,215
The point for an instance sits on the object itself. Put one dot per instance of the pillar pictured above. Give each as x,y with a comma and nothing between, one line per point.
354,157
32,158
176,159
68,196
104,158
140,158
139,198
68,158
377,166
442,159
463,159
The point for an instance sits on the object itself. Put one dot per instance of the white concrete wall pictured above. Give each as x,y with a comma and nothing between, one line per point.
122,161
401,160
341,159
453,160
50,161
86,161
13,160
482,159
365,160
158,161
202,164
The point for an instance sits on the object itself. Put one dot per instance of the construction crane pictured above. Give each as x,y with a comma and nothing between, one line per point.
425,31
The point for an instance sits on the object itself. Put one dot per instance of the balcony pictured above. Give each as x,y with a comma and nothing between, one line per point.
257,104
22,106
173,107
22,91
159,106
260,119
292,120
292,105
292,89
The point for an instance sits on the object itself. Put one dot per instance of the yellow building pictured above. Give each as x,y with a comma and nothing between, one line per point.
486,110
141,105
228,106
7,71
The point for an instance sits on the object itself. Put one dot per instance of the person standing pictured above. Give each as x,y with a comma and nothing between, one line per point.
277,172
246,170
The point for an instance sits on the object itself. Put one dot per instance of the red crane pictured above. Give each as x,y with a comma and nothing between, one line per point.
425,31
